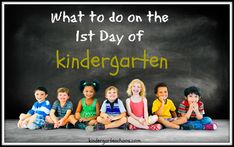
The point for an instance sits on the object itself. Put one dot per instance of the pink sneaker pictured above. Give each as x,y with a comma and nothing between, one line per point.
156,127
132,127
212,126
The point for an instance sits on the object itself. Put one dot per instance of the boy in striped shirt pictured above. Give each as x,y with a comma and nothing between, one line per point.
35,118
193,109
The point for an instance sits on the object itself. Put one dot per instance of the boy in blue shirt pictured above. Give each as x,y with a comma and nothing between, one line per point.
113,112
35,118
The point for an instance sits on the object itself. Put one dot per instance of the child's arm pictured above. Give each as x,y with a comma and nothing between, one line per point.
173,114
160,110
119,116
104,115
146,114
52,116
60,122
24,116
189,112
78,110
196,110
97,109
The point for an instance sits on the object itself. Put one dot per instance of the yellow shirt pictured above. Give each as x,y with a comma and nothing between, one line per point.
168,106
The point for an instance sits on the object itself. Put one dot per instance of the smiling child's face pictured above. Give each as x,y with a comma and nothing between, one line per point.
136,88
88,92
112,95
40,95
63,96
162,93
193,98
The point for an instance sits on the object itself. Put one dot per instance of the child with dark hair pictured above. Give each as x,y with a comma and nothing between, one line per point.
193,109
35,118
165,108
88,107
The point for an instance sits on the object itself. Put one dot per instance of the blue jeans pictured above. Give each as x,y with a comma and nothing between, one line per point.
196,124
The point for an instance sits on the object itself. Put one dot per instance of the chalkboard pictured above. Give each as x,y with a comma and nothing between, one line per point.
181,45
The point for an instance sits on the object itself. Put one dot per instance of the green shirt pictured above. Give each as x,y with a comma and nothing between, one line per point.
88,110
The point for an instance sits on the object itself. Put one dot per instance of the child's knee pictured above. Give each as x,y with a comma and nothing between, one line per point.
99,119
184,119
22,116
206,120
123,120
130,119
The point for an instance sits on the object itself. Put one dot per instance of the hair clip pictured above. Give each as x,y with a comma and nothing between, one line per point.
84,83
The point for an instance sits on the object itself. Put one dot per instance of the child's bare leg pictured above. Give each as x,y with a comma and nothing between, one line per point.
92,122
32,119
180,120
136,123
22,117
48,119
103,120
72,119
168,124
116,123
65,121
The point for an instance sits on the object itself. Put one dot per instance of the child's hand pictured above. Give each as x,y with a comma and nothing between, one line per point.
60,122
82,119
195,107
142,120
56,125
162,100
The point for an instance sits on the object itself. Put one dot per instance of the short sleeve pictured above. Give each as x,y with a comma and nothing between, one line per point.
69,106
121,106
156,105
103,108
55,105
172,107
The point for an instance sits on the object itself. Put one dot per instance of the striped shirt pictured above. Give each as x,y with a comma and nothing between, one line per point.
42,109
184,106
113,109
61,111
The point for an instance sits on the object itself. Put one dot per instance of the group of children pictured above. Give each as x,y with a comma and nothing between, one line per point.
112,114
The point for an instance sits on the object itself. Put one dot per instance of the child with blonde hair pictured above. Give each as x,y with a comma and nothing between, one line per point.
137,107
113,113
165,108
88,107
60,110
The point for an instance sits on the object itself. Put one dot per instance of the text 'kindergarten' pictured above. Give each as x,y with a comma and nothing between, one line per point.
66,61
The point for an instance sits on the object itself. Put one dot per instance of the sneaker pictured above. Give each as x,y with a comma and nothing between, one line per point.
89,128
132,127
69,126
185,127
156,127
48,126
212,126
124,126
100,126
80,125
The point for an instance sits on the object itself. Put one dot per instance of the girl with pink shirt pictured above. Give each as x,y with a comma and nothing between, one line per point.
137,107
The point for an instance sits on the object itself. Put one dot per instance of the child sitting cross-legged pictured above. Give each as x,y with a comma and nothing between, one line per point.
193,109
60,110
113,113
